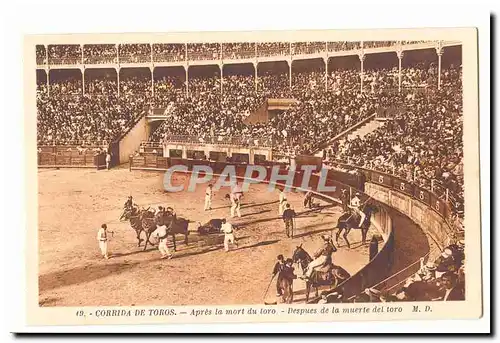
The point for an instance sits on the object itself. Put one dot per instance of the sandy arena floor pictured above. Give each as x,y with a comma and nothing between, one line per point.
74,203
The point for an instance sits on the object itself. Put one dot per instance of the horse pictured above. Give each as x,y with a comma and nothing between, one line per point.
350,220
174,225
149,225
286,286
137,219
329,275
127,212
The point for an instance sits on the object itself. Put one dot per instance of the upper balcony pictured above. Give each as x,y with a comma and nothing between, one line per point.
176,54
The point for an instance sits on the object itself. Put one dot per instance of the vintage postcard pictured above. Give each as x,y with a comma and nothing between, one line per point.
253,177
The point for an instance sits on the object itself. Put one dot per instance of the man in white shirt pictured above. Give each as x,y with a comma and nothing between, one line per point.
355,204
235,203
282,202
356,201
228,230
161,234
108,160
102,238
208,197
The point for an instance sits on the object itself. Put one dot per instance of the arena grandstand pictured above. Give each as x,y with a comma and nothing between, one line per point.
421,142
388,106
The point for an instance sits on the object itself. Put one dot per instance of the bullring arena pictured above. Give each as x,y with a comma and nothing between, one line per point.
364,112
74,203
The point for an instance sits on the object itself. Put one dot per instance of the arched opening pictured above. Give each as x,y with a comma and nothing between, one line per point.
101,82
204,79
273,79
381,72
65,81
135,81
343,73
169,85
419,68
308,76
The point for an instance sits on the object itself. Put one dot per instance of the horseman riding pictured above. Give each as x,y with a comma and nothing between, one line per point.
320,271
356,216
323,257
128,208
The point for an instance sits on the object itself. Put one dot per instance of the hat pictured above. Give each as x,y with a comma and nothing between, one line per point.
104,226
325,237
430,266
372,291
280,257
357,193
446,253
461,243
289,260
160,208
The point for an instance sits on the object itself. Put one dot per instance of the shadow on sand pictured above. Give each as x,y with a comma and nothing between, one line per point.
259,244
82,274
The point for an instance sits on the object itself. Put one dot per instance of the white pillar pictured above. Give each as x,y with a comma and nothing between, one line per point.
362,75
400,54
439,51
186,68
326,73
118,80
152,69
255,67
48,80
83,81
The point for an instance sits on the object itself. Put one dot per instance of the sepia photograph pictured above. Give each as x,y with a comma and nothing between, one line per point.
177,173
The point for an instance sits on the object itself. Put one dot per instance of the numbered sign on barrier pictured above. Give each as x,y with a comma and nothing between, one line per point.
438,205
422,195
403,186
381,179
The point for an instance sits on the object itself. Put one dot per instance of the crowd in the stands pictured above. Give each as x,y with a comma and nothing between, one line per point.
422,141
439,279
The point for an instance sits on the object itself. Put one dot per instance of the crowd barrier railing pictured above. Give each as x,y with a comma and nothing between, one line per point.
447,204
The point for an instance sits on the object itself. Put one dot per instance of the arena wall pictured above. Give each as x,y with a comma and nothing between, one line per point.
128,143
430,222
72,159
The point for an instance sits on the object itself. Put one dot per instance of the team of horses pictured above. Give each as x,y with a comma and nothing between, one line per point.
144,220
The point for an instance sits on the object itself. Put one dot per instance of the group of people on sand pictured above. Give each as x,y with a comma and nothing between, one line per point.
234,197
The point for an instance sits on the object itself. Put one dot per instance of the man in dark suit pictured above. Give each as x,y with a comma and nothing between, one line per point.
278,267
288,216
451,290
